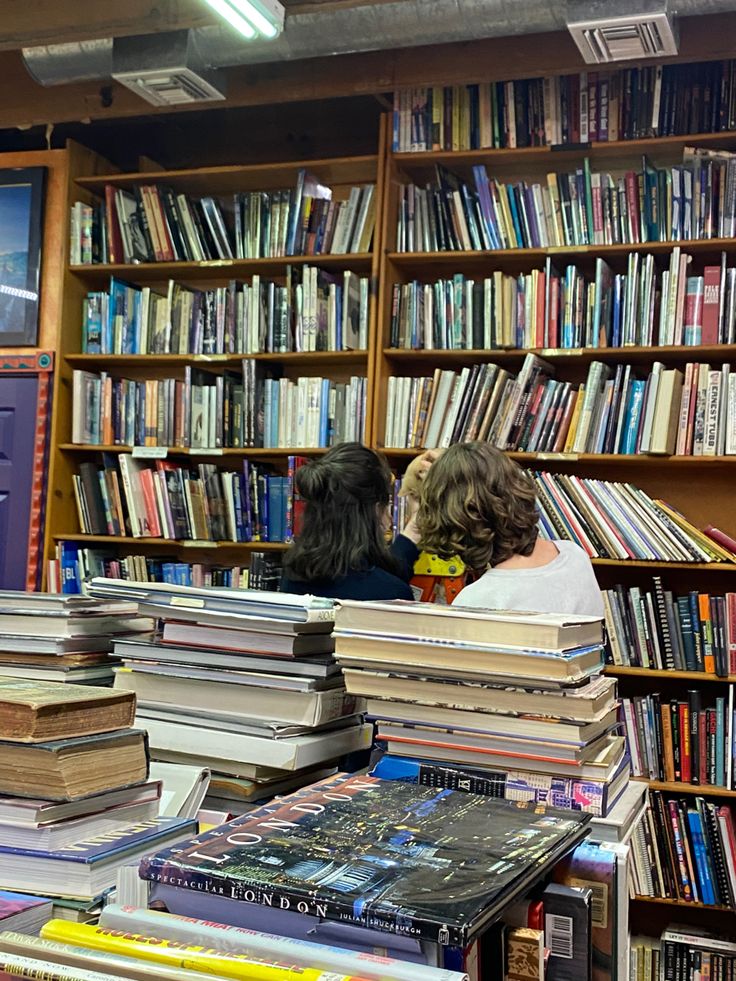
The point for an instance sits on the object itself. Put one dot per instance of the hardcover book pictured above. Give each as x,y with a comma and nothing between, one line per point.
407,860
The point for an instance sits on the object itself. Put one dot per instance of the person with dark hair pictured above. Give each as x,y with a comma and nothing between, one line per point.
476,503
342,551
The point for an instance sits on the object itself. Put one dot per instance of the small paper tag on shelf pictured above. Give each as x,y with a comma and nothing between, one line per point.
199,543
567,352
557,456
214,263
212,357
205,451
150,452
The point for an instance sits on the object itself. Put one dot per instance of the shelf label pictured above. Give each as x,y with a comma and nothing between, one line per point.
557,456
199,543
212,357
556,352
205,451
150,452
215,263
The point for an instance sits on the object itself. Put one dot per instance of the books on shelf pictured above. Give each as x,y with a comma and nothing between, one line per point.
259,570
314,310
570,307
687,740
213,411
128,496
617,409
686,952
658,629
685,849
585,107
158,223
694,201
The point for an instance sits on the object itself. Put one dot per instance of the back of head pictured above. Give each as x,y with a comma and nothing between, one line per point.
478,504
346,492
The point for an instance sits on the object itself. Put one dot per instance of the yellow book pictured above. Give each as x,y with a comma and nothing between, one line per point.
570,441
186,957
707,544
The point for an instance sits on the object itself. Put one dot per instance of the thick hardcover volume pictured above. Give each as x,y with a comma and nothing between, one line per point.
413,861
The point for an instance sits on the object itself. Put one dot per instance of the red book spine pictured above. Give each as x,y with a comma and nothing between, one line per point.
149,498
632,203
38,485
114,239
731,631
685,754
554,313
702,749
720,538
711,304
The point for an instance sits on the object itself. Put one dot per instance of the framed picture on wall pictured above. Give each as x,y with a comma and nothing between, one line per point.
21,232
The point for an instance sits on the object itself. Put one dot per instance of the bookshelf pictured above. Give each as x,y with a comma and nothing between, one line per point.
701,487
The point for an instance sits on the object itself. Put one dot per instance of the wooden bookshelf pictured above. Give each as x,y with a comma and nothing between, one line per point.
694,789
173,543
656,676
682,904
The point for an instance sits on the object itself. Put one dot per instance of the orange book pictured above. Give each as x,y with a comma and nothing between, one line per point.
149,499
706,629
669,758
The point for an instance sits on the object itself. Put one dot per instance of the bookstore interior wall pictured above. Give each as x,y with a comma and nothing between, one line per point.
444,261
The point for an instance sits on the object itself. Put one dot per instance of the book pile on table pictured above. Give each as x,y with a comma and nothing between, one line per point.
502,703
56,637
76,800
372,866
244,682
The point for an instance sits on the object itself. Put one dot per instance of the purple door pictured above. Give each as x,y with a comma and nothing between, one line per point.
18,400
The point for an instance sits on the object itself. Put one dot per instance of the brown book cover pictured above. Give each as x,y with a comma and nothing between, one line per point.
36,711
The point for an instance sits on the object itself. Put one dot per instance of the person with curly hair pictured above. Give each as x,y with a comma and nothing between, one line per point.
476,503
342,551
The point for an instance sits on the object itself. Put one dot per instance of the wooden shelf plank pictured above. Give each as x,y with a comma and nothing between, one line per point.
212,360
682,904
170,542
545,156
628,671
614,459
686,788
653,564
244,177
256,451
216,270
670,353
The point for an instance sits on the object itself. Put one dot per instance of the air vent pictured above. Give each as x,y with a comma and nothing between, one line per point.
166,69
174,87
625,38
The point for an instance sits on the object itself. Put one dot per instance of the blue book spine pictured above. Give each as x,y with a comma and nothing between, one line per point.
511,195
397,768
701,862
633,415
324,413
720,742
69,568
273,494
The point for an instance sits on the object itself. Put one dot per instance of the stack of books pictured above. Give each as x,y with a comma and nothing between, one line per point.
546,308
62,638
688,741
154,223
76,799
365,864
581,207
314,311
614,411
506,704
242,682
685,849
596,106
658,629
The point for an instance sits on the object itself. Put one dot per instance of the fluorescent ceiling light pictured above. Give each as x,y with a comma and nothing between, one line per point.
252,17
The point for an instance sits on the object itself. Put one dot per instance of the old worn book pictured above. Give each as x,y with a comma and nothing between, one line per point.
39,711
490,663
423,864
28,813
70,768
431,621
524,954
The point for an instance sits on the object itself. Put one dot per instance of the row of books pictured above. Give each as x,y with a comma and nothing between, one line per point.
156,223
613,411
547,309
692,201
682,741
313,310
206,411
74,565
685,849
588,107
658,629
127,496
681,954
610,519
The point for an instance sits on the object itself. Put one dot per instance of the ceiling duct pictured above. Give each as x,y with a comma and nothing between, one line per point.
346,30
632,30
166,70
